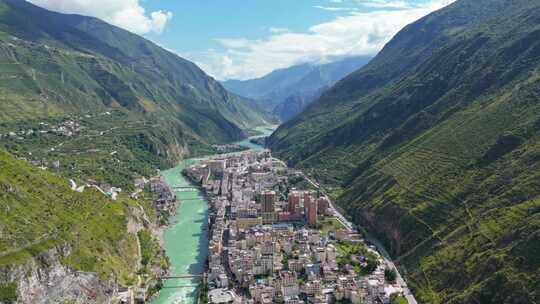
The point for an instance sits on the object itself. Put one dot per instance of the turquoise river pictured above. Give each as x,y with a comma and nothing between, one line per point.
186,239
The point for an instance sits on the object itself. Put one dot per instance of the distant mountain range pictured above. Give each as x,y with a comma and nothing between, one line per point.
435,147
286,92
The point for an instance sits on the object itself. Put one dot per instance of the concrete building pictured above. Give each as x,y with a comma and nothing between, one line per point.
313,287
311,207
268,199
270,217
217,166
220,296
269,248
289,284
293,201
323,205
289,217
295,265
248,222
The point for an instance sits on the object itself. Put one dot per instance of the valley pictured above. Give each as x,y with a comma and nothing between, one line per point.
186,240
286,92
362,158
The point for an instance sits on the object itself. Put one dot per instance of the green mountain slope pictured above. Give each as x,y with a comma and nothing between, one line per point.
286,92
434,146
54,64
44,224
294,104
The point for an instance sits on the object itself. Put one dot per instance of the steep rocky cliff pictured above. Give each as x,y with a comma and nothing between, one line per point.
45,279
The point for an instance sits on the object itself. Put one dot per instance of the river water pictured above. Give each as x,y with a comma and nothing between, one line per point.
186,239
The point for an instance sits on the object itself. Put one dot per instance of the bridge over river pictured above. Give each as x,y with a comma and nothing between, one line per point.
196,281
184,189
186,239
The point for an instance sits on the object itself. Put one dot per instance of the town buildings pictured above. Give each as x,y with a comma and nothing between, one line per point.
265,245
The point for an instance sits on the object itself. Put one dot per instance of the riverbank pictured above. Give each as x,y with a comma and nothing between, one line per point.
188,249
262,131
186,239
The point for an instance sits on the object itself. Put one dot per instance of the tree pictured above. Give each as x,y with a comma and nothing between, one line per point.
397,298
390,274
372,263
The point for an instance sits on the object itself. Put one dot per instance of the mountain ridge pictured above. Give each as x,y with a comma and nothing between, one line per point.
127,95
285,92
431,146
122,69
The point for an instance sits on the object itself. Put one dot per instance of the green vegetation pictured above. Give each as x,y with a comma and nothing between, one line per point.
434,147
8,293
149,247
390,275
397,299
116,157
254,132
152,258
299,182
40,212
330,225
362,260
87,231
77,65
140,108
154,289
203,294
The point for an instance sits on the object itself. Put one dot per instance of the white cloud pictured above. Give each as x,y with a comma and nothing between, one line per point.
397,4
235,43
128,14
278,30
334,8
357,33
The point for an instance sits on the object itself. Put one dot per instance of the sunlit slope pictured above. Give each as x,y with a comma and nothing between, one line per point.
38,212
53,64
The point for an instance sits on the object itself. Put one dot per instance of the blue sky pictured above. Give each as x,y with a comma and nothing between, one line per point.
242,39
196,24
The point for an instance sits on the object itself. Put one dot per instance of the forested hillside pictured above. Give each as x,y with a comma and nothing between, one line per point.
434,145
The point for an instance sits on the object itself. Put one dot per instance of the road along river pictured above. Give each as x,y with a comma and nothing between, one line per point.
186,239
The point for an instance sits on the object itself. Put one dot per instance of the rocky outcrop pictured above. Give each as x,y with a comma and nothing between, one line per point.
44,279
